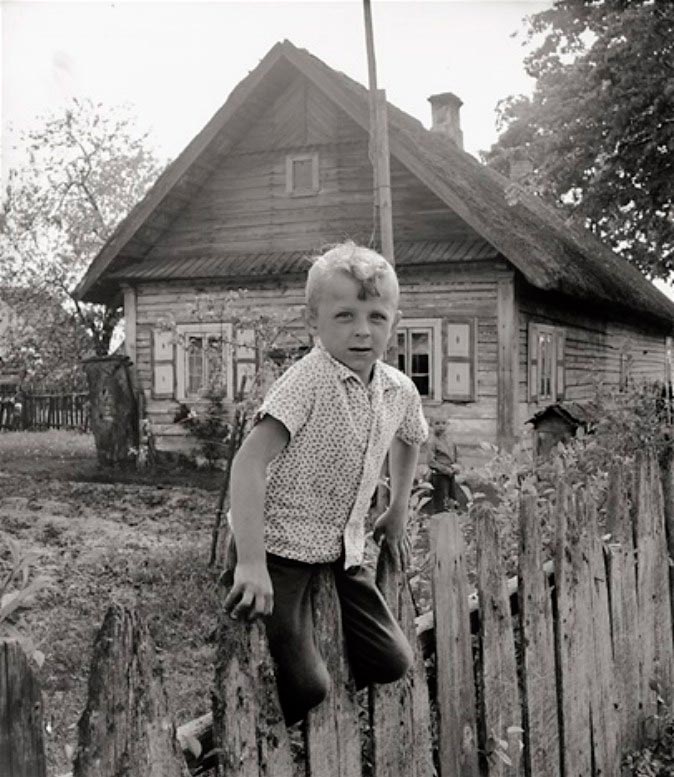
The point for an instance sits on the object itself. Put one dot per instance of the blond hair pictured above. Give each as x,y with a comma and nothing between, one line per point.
364,265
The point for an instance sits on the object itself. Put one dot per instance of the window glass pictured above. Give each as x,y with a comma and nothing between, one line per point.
546,365
303,175
216,374
195,364
402,350
420,353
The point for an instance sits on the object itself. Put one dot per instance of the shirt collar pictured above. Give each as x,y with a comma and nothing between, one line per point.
380,375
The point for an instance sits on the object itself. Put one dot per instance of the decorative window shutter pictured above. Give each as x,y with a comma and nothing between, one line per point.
560,338
245,360
533,362
163,373
461,361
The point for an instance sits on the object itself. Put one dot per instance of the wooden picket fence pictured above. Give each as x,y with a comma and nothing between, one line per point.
554,674
39,412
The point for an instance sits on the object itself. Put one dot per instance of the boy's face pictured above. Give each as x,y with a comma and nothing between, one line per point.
354,331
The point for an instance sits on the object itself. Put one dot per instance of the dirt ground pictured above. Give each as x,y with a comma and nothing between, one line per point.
144,542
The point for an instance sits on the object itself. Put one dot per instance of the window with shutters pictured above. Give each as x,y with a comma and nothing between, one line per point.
214,356
546,363
461,360
420,354
302,174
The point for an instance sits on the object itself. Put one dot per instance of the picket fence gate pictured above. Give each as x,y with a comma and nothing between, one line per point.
559,685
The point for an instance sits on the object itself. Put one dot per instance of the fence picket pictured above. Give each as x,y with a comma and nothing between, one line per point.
457,725
605,717
21,738
664,658
538,640
332,732
571,636
125,727
400,712
623,602
500,689
645,544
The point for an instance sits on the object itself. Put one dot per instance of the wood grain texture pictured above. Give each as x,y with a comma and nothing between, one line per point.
507,363
538,640
126,726
572,635
21,726
400,712
500,690
332,733
457,721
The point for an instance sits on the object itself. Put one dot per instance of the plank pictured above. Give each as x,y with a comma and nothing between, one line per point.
646,575
126,725
248,724
332,734
623,601
500,691
400,712
457,724
603,703
21,726
507,363
667,474
571,636
538,639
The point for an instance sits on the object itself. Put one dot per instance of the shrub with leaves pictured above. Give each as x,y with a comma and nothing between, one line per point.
18,585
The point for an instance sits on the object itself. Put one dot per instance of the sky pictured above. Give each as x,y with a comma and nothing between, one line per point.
176,62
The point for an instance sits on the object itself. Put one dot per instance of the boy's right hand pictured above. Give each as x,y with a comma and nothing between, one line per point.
252,594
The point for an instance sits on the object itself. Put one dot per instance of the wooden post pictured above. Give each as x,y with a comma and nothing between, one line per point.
572,635
506,379
457,721
400,712
332,733
500,691
126,725
248,724
21,739
538,640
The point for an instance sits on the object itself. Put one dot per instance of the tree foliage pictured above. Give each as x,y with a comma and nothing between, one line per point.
597,136
86,167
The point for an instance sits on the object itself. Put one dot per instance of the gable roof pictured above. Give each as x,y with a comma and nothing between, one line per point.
550,254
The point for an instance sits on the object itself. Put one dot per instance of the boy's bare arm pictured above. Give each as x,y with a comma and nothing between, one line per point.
252,593
402,466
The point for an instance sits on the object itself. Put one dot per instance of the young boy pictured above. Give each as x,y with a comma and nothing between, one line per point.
304,477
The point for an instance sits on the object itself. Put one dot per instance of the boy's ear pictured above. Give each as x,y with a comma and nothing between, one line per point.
397,318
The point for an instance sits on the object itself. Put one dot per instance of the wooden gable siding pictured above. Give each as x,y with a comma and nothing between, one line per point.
467,296
243,205
593,344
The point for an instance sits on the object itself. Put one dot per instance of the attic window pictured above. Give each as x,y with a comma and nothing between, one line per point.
302,174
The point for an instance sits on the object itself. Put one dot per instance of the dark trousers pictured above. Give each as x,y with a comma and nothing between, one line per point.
377,649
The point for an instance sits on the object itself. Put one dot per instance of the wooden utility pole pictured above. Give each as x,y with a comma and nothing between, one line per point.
379,150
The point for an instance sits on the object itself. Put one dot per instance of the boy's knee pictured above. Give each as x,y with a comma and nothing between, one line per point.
397,664
304,692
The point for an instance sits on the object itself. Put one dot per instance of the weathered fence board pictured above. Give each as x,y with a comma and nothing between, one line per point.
603,701
538,641
574,608
400,712
500,690
126,725
21,730
248,725
623,602
332,733
457,722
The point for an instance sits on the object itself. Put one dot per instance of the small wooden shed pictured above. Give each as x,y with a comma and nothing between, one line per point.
506,308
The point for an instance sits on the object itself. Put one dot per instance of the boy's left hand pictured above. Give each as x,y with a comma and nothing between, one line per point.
390,526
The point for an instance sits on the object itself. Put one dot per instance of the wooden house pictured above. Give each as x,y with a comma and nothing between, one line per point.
506,308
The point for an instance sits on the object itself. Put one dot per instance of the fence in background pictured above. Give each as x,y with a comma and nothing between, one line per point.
558,686
38,412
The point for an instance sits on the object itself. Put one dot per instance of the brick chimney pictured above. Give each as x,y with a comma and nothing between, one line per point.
445,109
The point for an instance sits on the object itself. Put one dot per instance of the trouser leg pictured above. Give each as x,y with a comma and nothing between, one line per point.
302,677
378,650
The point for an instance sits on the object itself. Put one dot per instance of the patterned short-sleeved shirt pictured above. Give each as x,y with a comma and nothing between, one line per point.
319,487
